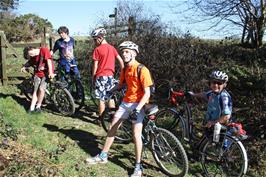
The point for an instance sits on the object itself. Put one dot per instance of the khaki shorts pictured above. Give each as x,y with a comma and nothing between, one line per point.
125,109
39,82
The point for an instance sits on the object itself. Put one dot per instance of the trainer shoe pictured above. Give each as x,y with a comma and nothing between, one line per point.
137,172
38,110
95,160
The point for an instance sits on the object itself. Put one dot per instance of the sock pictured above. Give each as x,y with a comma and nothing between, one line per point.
138,166
103,155
38,106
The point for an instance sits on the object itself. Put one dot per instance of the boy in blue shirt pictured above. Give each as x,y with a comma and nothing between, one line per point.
219,107
65,44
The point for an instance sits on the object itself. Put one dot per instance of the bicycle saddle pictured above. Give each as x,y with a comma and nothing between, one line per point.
150,109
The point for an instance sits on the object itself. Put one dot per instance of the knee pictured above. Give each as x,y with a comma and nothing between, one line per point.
111,131
136,137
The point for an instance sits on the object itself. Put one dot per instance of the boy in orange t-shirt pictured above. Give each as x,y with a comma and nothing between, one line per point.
137,95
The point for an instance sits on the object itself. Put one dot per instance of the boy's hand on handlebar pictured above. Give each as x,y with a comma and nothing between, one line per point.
189,94
134,114
51,76
210,124
24,69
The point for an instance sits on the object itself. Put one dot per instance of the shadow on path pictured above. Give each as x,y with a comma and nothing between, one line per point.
21,100
85,140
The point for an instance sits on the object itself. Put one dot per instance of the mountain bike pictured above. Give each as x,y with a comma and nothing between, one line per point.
55,94
74,85
227,157
167,150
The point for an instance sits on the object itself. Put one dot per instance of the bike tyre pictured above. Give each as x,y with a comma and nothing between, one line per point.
77,91
162,140
170,119
236,149
64,101
124,133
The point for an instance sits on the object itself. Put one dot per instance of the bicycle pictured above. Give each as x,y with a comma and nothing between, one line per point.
74,85
226,157
55,94
167,150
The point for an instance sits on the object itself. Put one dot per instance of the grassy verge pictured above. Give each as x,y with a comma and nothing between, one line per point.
48,144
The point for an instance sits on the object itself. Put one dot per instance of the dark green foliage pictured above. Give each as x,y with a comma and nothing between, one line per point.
27,27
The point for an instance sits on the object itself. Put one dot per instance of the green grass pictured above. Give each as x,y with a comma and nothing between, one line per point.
65,142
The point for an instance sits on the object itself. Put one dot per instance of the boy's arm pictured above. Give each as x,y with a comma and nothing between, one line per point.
198,95
50,68
94,68
55,48
121,63
222,120
25,66
145,98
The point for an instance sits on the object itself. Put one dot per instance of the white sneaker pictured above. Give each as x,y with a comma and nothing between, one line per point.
95,160
137,172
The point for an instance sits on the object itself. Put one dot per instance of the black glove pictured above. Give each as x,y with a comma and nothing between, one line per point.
189,94
134,114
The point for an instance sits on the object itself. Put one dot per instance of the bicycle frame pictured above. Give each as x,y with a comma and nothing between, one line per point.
187,121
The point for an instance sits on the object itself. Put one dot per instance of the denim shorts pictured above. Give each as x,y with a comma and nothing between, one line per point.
125,109
103,84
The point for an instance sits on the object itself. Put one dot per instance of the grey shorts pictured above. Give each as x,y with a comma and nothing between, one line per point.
39,83
125,109
103,84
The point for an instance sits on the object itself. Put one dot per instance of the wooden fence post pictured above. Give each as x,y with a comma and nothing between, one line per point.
43,40
3,75
131,27
51,43
114,15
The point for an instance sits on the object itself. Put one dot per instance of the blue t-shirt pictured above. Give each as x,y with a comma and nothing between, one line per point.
66,48
218,105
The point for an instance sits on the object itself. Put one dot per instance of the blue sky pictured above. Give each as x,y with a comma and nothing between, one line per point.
82,16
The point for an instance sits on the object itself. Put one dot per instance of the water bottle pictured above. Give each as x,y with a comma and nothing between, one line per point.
216,132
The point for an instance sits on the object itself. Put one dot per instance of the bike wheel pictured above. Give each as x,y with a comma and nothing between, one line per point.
77,91
27,87
169,153
124,133
169,119
63,101
228,157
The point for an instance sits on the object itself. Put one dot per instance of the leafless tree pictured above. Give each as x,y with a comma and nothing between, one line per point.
249,15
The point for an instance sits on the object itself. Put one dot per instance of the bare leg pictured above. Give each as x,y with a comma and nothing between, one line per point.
111,103
33,101
101,107
137,131
41,93
116,123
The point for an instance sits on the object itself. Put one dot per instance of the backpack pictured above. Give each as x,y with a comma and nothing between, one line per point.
152,87
140,66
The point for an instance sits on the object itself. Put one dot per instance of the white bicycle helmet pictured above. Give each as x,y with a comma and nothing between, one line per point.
219,75
100,32
129,45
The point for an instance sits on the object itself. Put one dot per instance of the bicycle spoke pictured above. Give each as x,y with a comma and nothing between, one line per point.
169,153
225,158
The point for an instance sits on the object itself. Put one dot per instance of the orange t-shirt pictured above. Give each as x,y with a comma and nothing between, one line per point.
135,86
